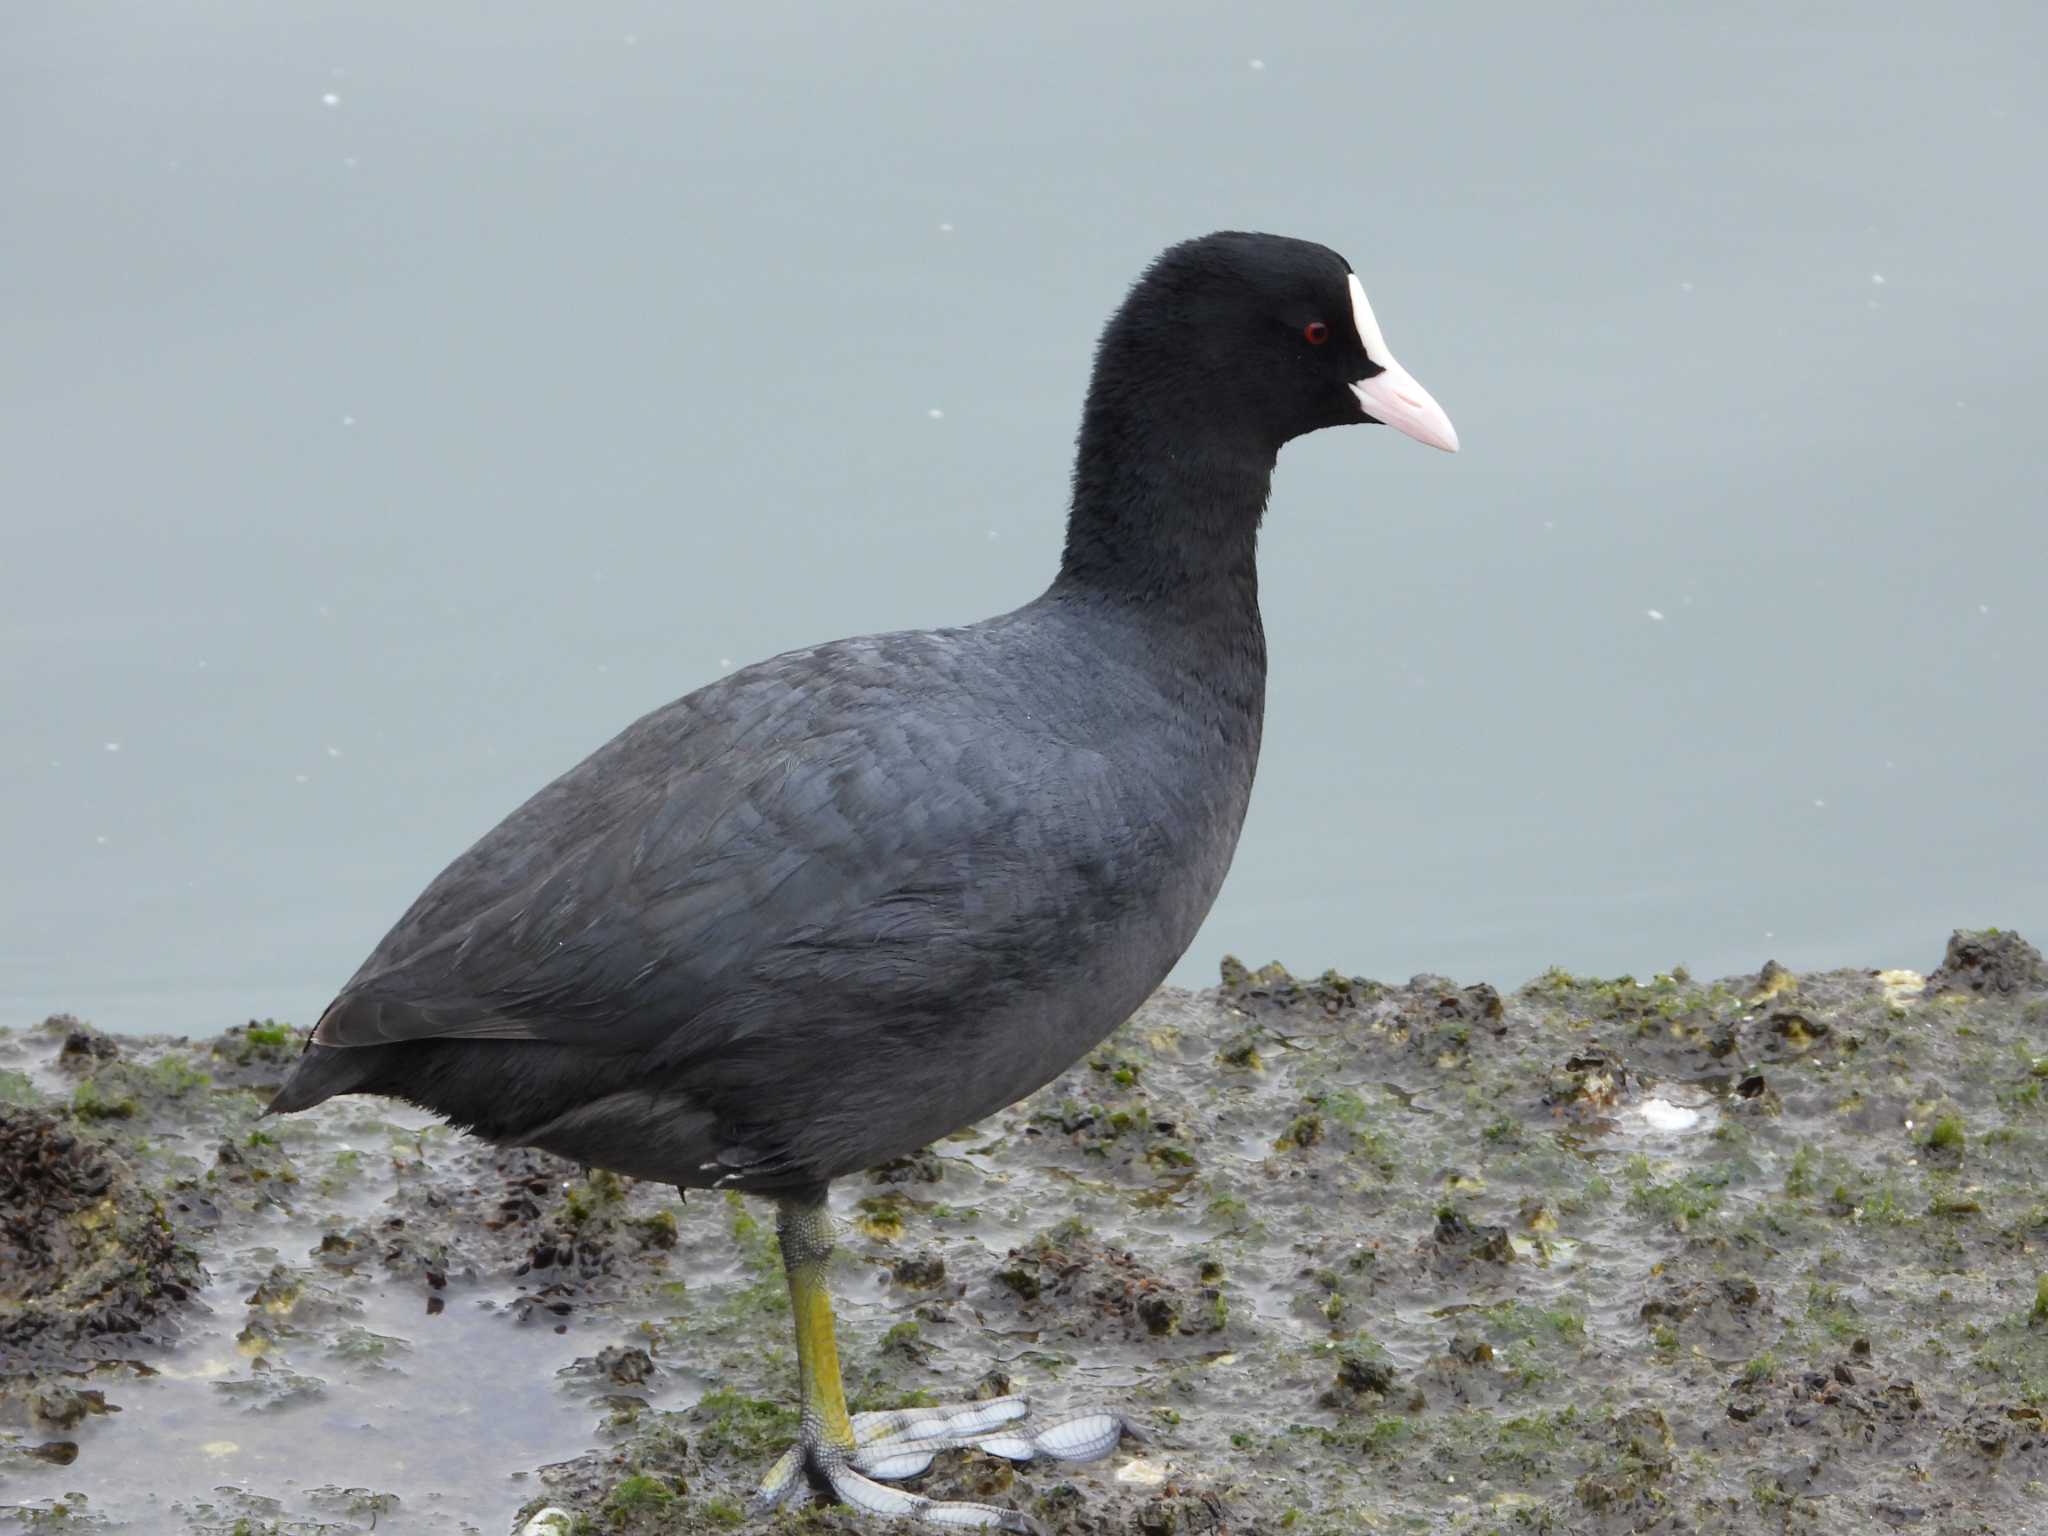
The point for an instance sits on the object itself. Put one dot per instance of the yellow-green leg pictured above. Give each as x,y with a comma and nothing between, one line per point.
805,1229
834,1448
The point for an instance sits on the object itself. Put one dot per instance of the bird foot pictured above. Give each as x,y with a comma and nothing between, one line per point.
901,1443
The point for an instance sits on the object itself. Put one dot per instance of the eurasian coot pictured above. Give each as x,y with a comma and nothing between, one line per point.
843,902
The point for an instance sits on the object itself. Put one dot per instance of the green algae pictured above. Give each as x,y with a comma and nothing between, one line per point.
749,1428
631,1495
1947,1134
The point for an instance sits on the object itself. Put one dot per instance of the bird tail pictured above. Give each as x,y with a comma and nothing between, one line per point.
321,1072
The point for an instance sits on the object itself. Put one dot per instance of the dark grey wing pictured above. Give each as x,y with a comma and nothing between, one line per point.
619,781
613,912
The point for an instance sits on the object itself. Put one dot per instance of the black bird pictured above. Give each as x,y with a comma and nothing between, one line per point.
846,901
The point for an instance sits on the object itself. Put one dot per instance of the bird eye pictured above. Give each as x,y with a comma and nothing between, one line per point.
1316,333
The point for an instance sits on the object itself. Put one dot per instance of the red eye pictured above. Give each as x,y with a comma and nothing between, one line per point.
1316,333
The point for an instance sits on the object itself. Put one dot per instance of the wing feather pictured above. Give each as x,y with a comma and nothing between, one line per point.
635,894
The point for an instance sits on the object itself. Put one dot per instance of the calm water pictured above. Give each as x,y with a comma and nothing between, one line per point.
397,400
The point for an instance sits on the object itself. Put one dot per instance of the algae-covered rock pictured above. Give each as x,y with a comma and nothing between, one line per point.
89,1264
1599,1255
1989,960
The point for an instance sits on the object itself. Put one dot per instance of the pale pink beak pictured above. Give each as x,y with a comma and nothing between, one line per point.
1392,395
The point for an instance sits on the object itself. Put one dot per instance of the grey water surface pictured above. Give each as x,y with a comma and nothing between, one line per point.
397,400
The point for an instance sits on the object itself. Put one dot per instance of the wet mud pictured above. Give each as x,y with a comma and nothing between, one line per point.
1763,1254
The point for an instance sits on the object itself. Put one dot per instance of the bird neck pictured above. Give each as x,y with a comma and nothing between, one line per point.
1165,516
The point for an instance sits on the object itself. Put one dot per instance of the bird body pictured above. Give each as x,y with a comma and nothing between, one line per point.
826,909
848,900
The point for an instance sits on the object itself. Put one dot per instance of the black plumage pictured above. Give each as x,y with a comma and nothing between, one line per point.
848,900
844,901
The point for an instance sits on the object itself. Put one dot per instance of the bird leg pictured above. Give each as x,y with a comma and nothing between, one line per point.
835,1448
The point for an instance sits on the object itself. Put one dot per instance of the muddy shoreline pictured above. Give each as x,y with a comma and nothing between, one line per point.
1762,1254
